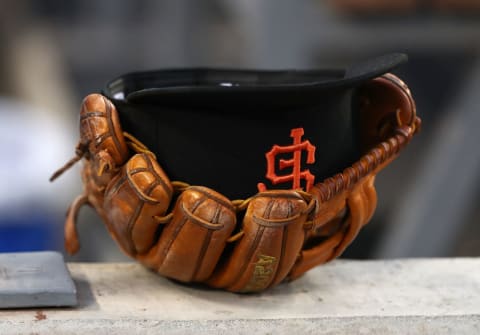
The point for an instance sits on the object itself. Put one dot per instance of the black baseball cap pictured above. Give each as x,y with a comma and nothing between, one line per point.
214,127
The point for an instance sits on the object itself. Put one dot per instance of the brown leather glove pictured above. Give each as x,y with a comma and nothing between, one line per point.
191,233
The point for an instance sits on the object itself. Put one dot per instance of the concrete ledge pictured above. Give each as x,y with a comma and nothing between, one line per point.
417,296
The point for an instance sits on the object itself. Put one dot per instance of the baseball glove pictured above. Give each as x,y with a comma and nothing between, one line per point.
195,234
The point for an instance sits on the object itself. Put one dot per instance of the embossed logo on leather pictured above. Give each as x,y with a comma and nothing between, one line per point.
262,273
295,163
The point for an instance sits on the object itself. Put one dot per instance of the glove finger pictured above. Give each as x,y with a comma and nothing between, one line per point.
273,236
102,137
100,128
139,193
192,243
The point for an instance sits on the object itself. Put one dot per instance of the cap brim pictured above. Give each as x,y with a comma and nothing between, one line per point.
202,83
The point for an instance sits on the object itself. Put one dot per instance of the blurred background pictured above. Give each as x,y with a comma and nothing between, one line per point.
53,53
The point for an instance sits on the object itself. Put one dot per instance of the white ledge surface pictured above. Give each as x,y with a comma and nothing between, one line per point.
412,296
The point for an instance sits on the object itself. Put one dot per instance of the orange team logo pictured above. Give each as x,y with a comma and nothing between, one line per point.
295,163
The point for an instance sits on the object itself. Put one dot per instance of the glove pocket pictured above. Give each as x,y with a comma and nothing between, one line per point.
192,243
138,194
274,233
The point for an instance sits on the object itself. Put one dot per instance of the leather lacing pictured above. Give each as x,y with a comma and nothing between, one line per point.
80,151
328,188
239,205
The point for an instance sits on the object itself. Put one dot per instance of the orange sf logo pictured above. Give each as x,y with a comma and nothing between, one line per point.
295,163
